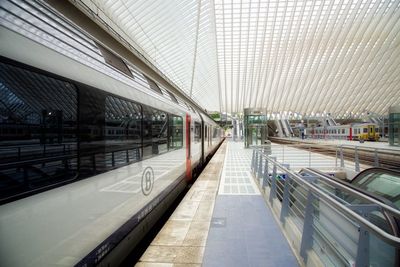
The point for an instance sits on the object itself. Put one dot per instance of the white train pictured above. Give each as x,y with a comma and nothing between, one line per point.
358,131
92,149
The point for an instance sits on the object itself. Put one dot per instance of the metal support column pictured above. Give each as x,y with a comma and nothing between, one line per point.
376,161
356,160
253,159
272,194
285,197
308,229
362,258
266,174
259,170
341,157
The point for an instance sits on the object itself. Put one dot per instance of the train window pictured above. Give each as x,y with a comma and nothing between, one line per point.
175,132
159,130
197,132
215,133
153,85
365,130
155,131
114,60
173,98
123,127
38,118
91,131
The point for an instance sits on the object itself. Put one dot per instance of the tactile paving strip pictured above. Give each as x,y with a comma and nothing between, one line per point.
236,178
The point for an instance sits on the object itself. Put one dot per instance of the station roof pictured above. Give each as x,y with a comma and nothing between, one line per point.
308,57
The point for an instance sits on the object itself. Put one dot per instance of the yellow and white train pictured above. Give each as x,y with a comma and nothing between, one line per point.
358,131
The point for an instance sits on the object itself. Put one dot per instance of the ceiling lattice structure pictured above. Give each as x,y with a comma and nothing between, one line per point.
308,57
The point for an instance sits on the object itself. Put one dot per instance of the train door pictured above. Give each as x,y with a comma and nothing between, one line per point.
350,133
202,140
188,149
371,132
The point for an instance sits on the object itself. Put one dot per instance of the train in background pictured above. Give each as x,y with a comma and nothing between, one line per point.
81,123
357,131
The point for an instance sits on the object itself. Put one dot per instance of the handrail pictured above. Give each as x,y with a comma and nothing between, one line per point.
390,239
304,143
384,206
66,156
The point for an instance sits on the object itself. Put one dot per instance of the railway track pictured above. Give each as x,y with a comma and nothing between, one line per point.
384,158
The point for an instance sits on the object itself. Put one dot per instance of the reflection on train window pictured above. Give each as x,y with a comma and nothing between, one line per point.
155,132
92,157
123,131
215,133
197,132
159,129
38,123
175,132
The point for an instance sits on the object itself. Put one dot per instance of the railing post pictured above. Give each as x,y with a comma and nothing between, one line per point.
376,158
256,162
285,197
266,174
341,157
260,165
362,258
356,160
253,159
336,157
308,229
272,194
112,159
127,155
19,153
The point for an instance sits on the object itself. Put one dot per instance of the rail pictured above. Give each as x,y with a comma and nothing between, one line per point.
323,228
376,157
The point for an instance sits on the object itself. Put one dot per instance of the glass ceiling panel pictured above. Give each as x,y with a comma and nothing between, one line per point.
308,57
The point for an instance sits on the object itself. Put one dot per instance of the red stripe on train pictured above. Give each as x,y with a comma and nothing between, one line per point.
188,151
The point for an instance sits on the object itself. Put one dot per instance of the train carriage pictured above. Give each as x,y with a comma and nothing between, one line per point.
89,142
357,131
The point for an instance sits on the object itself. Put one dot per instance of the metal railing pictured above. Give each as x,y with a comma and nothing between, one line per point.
326,222
353,158
345,156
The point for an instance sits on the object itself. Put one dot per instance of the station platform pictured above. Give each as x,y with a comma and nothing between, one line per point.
222,221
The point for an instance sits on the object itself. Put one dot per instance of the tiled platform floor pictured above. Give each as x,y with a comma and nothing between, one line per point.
231,228
182,241
243,231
